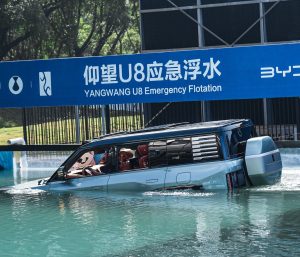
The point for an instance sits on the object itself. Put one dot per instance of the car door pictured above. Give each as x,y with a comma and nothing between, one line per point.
142,177
179,156
138,180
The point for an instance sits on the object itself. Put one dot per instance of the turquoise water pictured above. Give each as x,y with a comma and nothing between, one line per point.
258,222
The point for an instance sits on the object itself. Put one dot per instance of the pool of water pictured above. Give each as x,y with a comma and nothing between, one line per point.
252,222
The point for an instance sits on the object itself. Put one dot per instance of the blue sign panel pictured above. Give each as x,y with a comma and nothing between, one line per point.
210,74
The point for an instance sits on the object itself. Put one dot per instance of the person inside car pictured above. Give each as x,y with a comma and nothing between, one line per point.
125,154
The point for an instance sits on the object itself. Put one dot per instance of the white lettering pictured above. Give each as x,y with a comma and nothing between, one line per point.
108,92
283,72
294,68
211,69
91,74
173,70
271,72
129,78
154,71
267,72
165,90
139,74
109,74
192,69
205,89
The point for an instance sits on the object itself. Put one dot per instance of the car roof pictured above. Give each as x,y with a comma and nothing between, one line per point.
169,130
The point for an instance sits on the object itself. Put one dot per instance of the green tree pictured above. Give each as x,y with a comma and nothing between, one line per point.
31,29
21,22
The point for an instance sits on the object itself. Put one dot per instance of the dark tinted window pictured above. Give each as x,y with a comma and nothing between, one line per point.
157,153
179,151
220,1
202,148
157,4
230,22
282,22
167,30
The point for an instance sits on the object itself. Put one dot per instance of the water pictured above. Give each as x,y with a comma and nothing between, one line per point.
254,222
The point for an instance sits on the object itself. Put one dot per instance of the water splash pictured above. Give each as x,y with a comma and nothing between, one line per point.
290,158
290,181
25,191
179,193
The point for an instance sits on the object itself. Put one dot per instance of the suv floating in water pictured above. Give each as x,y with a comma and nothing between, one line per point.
210,155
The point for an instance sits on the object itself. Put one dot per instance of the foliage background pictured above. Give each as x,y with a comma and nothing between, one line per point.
42,29
31,29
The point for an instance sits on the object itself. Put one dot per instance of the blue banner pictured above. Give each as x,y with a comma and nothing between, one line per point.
210,74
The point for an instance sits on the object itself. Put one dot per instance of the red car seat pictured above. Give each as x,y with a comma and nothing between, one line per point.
142,151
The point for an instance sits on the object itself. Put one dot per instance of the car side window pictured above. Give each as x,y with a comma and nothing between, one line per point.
133,156
158,153
93,162
179,151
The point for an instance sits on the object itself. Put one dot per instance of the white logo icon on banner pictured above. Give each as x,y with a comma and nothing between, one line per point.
15,85
45,83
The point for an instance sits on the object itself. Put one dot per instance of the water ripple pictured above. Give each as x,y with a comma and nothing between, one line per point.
162,223
179,193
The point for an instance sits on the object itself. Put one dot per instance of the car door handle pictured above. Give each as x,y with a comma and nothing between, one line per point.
151,181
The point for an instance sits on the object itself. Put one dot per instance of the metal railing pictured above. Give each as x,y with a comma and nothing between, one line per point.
279,132
62,125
